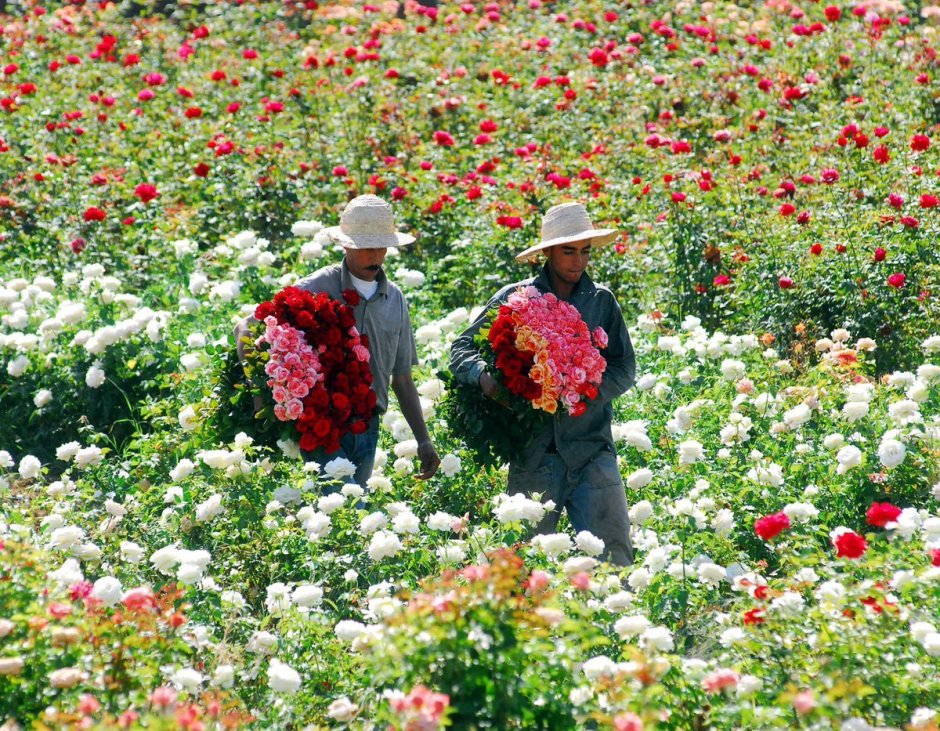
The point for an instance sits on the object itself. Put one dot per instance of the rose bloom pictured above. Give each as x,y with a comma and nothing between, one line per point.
849,544
880,514
771,526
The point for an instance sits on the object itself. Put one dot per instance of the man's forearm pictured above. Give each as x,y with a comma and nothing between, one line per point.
410,403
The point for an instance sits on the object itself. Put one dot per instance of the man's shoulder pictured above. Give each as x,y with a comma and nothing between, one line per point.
327,277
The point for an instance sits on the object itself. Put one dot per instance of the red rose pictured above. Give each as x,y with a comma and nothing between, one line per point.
771,526
897,280
358,427
322,427
935,557
754,616
880,254
308,442
351,296
920,143
880,514
785,283
94,213
265,309
850,545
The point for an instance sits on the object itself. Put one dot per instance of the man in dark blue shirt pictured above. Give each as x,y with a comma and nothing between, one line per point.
572,461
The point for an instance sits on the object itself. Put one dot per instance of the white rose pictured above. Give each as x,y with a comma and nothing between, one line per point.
553,544
656,638
224,676
342,710
329,504
29,467
95,375
631,626
187,679
306,229
409,277
42,398
88,457
209,508
639,478
184,468
348,630
589,543
107,590
383,545
891,452
283,678
690,451
307,595
187,418
339,467
450,465
848,457
131,552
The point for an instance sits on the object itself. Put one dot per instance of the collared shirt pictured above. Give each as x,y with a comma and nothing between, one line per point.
577,439
383,317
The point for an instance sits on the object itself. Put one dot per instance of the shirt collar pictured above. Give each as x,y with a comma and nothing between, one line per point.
347,282
585,285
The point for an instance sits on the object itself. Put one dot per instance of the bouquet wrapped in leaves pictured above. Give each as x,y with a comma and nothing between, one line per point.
545,360
309,365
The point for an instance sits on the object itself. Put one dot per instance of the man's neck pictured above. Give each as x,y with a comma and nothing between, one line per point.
563,290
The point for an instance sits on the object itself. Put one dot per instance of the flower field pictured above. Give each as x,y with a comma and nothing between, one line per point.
773,168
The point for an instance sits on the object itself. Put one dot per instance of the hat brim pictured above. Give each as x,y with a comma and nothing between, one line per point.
368,241
597,237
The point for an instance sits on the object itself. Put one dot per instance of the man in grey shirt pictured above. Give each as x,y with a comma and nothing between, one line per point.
572,460
366,231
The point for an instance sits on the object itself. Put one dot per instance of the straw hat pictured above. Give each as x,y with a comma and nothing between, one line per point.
367,223
565,224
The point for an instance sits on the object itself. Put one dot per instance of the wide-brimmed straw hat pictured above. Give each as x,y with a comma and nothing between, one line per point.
367,223
565,224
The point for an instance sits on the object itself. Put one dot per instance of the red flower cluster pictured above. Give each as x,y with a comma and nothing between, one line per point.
770,526
343,401
514,364
880,514
850,544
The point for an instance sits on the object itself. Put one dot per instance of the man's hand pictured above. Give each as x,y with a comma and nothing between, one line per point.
488,385
429,460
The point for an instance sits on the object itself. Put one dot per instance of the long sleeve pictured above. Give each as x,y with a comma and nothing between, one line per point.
465,361
620,374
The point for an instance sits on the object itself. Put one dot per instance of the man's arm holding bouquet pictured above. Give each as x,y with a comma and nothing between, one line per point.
466,363
620,373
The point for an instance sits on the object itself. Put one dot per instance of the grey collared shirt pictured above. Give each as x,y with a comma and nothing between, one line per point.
577,439
383,317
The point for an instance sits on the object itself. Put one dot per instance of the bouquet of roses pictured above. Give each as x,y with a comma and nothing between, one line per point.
543,355
310,365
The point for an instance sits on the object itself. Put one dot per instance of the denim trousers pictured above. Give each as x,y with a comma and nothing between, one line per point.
593,496
357,448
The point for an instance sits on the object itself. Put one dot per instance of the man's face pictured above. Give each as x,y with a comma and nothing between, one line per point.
568,261
365,263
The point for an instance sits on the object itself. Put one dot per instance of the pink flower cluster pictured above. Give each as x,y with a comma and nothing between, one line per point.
293,368
421,710
568,365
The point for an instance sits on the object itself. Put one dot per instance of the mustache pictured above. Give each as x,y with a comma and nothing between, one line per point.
374,267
